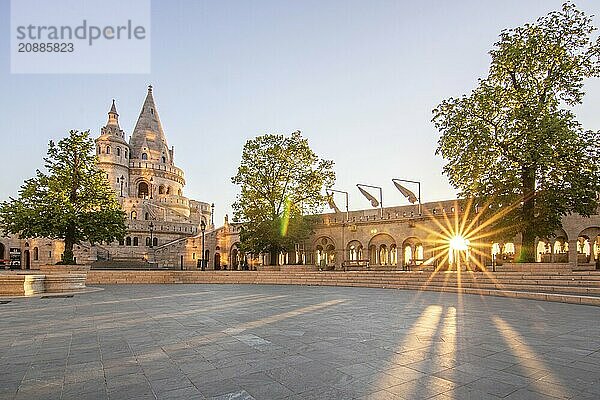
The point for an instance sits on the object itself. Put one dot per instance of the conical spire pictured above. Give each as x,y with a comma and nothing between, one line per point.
112,127
148,136
113,116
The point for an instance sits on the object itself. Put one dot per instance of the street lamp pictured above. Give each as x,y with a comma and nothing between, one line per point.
335,207
151,226
212,215
369,196
332,204
203,229
122,180
407,193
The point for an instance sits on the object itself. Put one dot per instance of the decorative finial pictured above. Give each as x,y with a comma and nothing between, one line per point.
149,88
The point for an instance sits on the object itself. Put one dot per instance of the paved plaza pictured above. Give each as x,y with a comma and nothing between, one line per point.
293,342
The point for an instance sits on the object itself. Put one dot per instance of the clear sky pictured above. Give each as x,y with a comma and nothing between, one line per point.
358,78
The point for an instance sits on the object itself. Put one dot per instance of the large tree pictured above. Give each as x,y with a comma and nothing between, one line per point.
282,181
514,142
71,201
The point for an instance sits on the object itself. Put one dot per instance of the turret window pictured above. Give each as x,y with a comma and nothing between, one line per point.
133,215
107,149
164,159
144,156
135,241
119,151
125,153
128,241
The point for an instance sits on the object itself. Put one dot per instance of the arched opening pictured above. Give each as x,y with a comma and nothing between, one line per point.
133,215
155,242
107,149
354,251
128,241
146,216
144,156
413,253
379,250
143,190
161,189
588,246
119,151
179,192
36,254
148,241
217,264
324,251
135,241
408,254
234,258
26,259
168,189
163,159
2,250
383,255
393,255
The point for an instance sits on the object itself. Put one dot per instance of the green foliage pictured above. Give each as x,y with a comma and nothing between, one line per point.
514,141
281,181
72,201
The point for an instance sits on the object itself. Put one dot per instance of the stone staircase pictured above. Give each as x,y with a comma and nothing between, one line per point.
125,263
571,287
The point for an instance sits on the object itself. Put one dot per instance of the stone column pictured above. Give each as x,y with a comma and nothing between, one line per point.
573,253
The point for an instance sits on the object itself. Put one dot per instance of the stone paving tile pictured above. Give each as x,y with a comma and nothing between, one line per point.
292,342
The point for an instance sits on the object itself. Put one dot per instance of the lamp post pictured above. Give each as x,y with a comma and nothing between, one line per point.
370,197
122,180
203,229
151,226
347,219
212,215
333,204
407,193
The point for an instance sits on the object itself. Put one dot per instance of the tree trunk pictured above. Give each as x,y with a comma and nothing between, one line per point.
274,257
68,258
528,215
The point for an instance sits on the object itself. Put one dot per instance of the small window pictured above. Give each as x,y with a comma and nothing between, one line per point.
147,241
121,242
144,156
128,241
164,159
125,153
36,254
119,151
133,215
155,242
135,241
107,149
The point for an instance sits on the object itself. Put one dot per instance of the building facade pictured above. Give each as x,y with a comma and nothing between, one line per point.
149,187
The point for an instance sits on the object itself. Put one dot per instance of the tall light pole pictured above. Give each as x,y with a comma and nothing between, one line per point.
347,218
407,193
203,229
369,196
333,204
212,215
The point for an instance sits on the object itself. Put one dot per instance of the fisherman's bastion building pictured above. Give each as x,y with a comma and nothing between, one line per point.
164,226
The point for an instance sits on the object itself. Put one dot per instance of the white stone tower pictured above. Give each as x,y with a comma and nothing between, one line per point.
113,153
